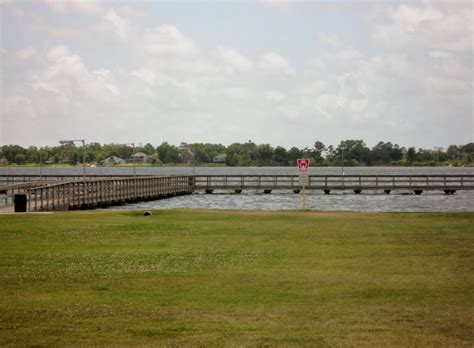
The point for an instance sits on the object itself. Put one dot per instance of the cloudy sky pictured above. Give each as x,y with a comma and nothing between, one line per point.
280,72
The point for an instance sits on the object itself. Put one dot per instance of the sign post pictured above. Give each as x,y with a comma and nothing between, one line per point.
303,166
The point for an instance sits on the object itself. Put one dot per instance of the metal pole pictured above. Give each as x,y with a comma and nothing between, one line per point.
84,160
134,169
303,197
194,173
342,167
40,163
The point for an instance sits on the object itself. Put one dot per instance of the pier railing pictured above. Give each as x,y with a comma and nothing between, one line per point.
9,179
80,194
335,182
7,192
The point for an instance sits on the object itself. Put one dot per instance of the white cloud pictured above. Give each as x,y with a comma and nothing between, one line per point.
166,40
26,53
275,96
440,54
66,77
134,10
281,4
275,63
330,39
33,23
340,50
434,25
117,25
64,61
6,2
315,87
76,6
234,59
349,54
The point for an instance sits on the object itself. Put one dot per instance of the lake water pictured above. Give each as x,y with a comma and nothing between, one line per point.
283,200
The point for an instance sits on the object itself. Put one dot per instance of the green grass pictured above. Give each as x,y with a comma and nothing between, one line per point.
236,278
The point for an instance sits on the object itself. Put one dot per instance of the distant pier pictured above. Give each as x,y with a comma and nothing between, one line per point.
449,184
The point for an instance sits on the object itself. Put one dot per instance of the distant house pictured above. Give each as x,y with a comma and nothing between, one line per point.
112,160
220,158
139,157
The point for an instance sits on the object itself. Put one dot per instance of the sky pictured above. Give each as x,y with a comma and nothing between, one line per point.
280,72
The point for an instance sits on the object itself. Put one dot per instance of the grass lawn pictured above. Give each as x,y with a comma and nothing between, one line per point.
203,278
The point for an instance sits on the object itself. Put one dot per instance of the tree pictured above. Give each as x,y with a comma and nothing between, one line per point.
202,156
168,153
148,149
397,153
384,153
467,152
453,152
319,147
293,154
32,154
411,155
423,155
10,153
280,156
231,160
355,152
265,154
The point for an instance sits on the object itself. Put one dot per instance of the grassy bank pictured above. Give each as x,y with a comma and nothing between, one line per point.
237,278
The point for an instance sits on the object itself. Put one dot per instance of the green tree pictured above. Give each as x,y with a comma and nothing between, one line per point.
148,149
384,153
467,153
280,156
319,148
231,159
12,153
423,155
411,155
453,152
243,154
265,154
168,153
355,152
293,154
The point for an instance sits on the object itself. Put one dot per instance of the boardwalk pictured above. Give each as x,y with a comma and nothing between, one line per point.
63,192
103,192
386,183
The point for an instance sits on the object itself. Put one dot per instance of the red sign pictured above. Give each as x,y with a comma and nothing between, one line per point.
303,165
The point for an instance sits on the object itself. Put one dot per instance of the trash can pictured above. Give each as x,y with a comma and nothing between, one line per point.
19,200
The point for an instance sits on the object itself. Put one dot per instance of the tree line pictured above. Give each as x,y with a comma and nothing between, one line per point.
350,152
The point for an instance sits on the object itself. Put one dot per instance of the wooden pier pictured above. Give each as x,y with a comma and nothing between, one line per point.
90,194
65,192
327,183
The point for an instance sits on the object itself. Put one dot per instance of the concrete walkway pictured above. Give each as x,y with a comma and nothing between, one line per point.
7,208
